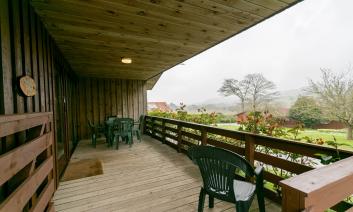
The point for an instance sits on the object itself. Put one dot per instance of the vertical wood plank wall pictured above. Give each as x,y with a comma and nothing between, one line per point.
28,49
100,98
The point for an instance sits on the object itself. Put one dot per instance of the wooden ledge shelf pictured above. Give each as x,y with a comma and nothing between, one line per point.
318,189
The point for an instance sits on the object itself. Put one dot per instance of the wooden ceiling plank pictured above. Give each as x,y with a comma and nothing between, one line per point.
89,33
163,25
82,50
109,57
112,76
116,70
73,40
194,6
270,4
163,31
129,67
289,1
112,34
117,53
116,10
142,53
116,58
117,74
235,12
117,63
187,8
245,6
157,34
142,69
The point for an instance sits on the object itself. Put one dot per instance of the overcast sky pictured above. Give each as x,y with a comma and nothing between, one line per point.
289,49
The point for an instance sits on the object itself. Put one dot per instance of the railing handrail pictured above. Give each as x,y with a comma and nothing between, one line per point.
345,153
173,133
30,164
320,188
10,124
22,116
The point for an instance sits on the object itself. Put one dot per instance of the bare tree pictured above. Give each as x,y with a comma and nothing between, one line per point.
335,92
261,90
238,88
254,88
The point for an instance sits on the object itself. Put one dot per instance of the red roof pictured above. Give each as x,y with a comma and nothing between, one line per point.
162,106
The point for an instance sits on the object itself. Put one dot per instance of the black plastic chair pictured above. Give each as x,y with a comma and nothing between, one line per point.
218,168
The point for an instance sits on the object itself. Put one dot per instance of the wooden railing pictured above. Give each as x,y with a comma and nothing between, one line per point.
27,170
255,148
319,189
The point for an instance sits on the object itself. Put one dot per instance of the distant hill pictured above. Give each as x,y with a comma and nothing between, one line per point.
288,97
229,100
218,108
230,105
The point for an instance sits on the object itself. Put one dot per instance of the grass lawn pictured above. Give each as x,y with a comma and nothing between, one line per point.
327,135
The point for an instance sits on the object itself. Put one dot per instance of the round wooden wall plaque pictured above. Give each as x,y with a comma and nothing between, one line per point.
28,86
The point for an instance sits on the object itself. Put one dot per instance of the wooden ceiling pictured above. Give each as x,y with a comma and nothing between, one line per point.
156,34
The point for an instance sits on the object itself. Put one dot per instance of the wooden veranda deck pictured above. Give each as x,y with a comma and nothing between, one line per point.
149,176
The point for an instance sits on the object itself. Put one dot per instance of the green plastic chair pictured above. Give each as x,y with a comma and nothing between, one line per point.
137,128
95,131
117,132
126,125
109,129
93,134
111,118
218,169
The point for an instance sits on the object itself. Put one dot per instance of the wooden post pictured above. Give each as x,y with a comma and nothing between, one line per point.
249,149
163,131
313,191
143,125
203,137
152,127
179,137
292,199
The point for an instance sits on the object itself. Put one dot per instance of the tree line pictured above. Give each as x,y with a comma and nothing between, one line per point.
330,97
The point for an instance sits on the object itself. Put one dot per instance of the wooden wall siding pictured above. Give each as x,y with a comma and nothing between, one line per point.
28,49
100,98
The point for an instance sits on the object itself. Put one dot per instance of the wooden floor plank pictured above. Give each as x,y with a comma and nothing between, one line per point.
149,176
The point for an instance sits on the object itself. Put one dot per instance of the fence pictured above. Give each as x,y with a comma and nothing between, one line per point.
282,158
27,170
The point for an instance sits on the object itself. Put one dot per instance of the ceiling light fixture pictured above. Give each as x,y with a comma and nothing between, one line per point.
126,60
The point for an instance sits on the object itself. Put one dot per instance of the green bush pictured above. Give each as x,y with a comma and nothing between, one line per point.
306,111
202,117
225,118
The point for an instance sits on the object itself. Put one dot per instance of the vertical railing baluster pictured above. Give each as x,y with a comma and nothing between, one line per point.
179,137
152,127
163,132
144,125
203,136
250,149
